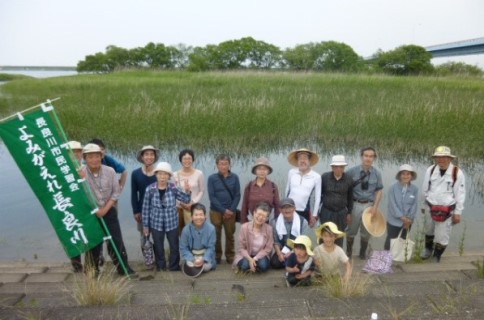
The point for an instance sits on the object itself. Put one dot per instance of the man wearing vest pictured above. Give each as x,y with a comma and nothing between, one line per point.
444,195
288,225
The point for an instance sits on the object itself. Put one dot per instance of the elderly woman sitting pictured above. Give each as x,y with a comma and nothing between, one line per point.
255,242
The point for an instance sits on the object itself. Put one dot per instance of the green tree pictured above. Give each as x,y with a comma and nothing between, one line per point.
93,63
458,69
405,60
324,56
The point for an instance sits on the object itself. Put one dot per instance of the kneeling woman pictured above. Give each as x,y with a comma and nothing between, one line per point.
197,242
255,242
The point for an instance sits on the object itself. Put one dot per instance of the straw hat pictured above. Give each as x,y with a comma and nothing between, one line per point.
313,156
139,155
406,167
304,240
338,160
75,145
333,228
91,148
165,167
375,225
443,151
262,162
191,271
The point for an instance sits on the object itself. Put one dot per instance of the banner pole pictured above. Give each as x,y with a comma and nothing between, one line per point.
29,109
103,223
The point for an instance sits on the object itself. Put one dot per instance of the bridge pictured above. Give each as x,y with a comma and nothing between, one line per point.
458,48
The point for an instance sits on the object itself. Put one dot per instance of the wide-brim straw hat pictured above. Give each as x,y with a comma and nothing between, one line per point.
305,240
333,228
139,154
313,156
375,225
192,272
262,162
443,151
406,167
163,166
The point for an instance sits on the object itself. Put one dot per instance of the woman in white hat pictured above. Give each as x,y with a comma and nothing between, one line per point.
402,204
261,189
160,216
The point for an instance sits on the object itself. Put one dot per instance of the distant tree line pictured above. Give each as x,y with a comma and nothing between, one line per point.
251,54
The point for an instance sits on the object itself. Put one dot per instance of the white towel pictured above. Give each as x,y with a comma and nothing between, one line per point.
281,227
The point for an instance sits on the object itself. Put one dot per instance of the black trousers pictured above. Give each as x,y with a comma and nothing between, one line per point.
392,233
92,256
337,217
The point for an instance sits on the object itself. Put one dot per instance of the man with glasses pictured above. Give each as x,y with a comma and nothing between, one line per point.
367,192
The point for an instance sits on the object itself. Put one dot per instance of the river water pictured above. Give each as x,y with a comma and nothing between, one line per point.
27,235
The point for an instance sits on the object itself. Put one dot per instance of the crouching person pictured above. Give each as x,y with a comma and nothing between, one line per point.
300,263
197,243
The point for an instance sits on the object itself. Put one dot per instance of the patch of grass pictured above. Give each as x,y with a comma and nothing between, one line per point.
335,287
419,240
480,268
10,77
398,311
198,299
451,302
105,289
247,112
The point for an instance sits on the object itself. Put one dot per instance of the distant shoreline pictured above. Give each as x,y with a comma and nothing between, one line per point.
39,68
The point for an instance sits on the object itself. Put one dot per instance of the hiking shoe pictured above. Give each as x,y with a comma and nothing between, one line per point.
427,253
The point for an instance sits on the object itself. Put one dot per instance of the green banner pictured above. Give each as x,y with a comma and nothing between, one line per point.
38,145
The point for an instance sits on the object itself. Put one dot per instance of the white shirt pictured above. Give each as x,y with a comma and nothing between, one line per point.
299,188
441,191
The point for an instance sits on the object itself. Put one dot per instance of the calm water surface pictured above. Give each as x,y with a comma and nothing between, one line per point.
26,232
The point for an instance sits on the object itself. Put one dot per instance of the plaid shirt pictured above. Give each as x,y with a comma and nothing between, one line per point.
161,214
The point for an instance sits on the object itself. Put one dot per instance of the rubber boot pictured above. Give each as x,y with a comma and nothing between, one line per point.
429,247
363,247
349,246
438,251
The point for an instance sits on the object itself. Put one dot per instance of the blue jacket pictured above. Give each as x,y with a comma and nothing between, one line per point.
193,238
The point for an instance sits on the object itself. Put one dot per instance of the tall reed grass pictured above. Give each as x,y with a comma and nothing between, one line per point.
247,111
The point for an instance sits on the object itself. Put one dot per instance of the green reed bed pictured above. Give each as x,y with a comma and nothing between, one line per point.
244,111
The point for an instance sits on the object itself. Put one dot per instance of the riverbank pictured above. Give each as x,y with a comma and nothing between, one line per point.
447,290
254,112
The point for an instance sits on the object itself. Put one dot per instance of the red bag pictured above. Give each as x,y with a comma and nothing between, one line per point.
441,213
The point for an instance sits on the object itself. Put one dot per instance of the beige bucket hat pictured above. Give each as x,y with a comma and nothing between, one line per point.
74,145
139,155
304,240
91,148
165,167
333,228
443,151
375,225
406,167
338,160
313,156
262,162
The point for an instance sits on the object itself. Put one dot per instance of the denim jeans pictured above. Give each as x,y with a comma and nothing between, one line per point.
159,248
261,265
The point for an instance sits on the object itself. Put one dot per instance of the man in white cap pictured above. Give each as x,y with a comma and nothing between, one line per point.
444,195
367,192
302,181
103,183
336,196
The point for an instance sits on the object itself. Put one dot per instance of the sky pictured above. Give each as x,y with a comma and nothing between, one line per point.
63,32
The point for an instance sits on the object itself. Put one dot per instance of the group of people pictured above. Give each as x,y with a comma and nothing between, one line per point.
274,232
